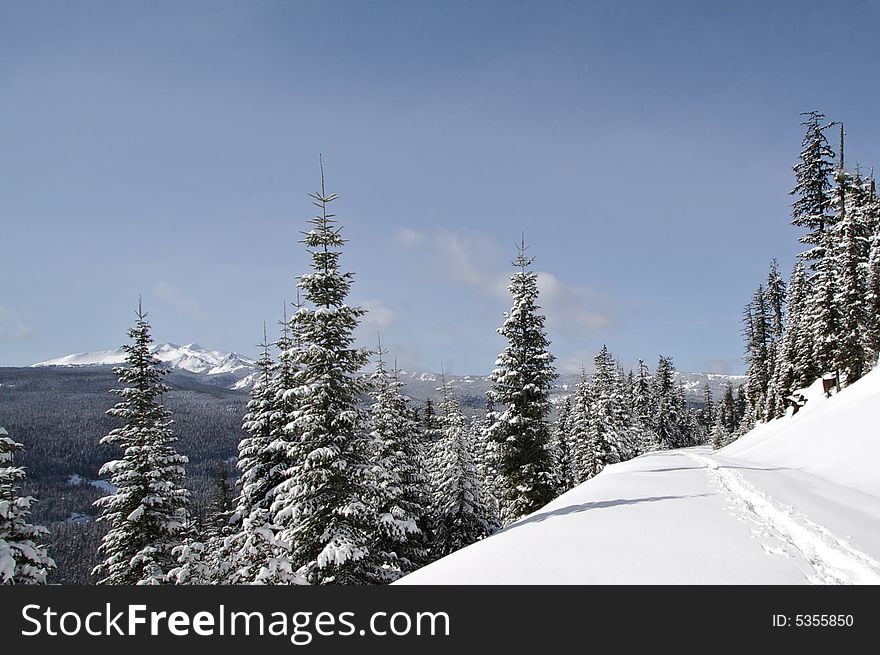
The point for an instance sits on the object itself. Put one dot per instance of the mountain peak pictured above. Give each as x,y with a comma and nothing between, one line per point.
191,357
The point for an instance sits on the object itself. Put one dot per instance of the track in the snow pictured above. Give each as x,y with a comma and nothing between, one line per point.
832,560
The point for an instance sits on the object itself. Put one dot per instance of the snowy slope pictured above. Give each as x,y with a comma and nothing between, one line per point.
795,501
191,357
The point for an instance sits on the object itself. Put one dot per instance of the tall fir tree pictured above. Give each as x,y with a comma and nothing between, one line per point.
667,420
811,209
757,328
563,450
824,312
727,410
582,447
707,412
254,554
23,557
461,517
775,297
872,295
850,251
607,426
521,383
322,503
485,458
644,408
401,490
146,515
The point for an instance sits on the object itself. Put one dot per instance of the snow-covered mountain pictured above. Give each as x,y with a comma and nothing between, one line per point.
474,387
795,501
191,357
238,372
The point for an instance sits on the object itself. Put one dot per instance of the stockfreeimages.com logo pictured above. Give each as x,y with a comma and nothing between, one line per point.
299,627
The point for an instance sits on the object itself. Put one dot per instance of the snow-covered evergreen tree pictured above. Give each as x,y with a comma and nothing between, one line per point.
872,296
795,366
461,517
582,447
400,494
707,412
220,512
824,311
254,554
667,420
194,565
757,327
811,209
607,425
562,445
521,384
485,459
322,504
720,435
644,408
850,251
775,296
146,515
727,410
23,558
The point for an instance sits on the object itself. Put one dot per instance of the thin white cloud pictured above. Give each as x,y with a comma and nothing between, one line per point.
463,259
575,362
566,306
12,326
408,237
174,297
378,316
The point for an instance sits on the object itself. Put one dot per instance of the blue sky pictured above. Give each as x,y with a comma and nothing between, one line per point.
645,148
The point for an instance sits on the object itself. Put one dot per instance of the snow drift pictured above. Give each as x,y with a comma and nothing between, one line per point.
797,500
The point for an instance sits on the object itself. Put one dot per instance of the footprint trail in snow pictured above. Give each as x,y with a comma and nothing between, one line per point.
833,560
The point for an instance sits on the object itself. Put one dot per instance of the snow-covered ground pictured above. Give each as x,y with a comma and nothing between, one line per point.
795,501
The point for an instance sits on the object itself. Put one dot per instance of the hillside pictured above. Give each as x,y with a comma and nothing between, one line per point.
797,500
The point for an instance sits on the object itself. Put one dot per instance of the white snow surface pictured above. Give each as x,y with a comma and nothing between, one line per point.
795,501
191,357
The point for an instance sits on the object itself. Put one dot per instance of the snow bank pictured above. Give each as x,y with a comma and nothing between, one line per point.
835,438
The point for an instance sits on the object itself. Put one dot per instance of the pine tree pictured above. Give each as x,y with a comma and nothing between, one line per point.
321,504
521,384
23,559
850,251
796,366
607,435
485,459
583,449
644,408
461,517
563,450
221,510
707,414
776,296
812,208
720,435
757,330
824,312
146,515
872,296
400,493
667,421
727,410
254,554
